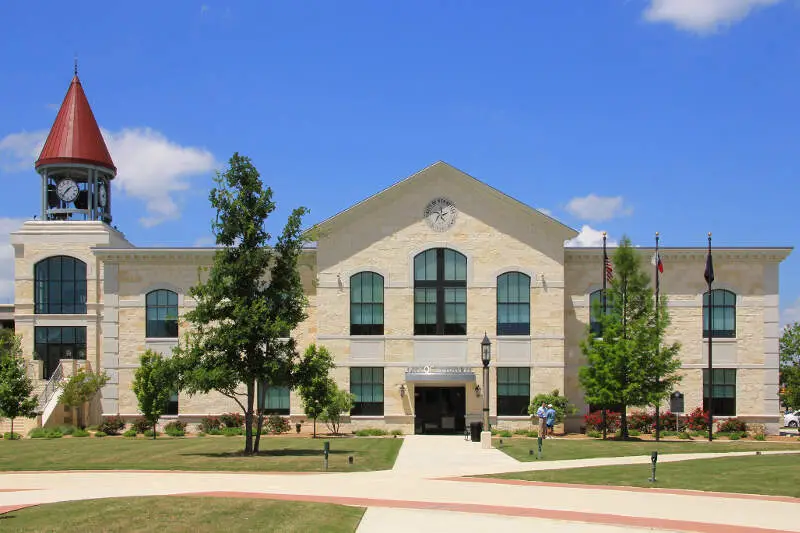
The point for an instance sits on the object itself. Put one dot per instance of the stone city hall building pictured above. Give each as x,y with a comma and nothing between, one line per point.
401,289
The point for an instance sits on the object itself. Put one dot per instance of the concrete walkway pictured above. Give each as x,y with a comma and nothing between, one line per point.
425,492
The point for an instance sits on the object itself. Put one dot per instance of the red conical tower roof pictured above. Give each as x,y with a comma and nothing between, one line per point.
75,136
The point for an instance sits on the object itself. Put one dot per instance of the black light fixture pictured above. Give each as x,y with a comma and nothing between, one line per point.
402,390
478,391
486,350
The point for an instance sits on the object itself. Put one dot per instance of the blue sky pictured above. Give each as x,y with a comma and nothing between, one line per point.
676,115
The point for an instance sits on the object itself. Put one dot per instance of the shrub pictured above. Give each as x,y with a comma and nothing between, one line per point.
732,424
141,425
149,433
12,436
734,436
111,425
277,424
91,428
215,432
641,421
210,422
666,420
760,436
685,436
505,433
560,404
80,433
698,419
594,420
99,434
634,433
176,424
37,433
66,430
594,434
175,432
232,432
130,433
669,433
201,434
232,420
371,432
397,432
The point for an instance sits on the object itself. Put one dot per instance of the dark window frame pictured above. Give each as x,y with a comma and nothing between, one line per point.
58,279
595,325
713,300
724,404
173,404
276,395
161,328
446,292
358,381
362,307
521,305
49,340
513,404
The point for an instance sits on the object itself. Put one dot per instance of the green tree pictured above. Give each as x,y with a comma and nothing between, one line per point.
339,403
790,366
560,403
16,388
153,382
251,298
315,385
81,388
627,365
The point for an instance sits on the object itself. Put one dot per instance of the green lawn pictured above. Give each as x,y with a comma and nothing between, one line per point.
777,475
563,449
183,514
280,454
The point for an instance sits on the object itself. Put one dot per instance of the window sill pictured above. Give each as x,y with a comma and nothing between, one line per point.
721,340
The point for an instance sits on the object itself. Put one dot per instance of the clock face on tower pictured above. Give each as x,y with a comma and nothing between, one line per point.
67,190
440,214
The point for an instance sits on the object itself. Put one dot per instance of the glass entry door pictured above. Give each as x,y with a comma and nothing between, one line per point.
439,410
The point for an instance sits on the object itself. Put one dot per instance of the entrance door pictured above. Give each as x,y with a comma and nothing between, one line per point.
439,410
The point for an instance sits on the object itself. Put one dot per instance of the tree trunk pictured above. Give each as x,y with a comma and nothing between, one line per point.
155,422
248,419
315,428
12,428
605,424
259,427
623,419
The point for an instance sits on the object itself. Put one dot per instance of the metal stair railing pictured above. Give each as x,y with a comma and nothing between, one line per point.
51,387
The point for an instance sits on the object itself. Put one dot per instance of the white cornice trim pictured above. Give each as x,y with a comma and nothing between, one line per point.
777,253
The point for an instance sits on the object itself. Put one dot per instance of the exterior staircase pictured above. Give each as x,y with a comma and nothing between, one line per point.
49,393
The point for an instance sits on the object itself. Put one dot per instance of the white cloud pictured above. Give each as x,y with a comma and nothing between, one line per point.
7,225
702,16
598,208
205,242
589,237
150,167
791,314
18,151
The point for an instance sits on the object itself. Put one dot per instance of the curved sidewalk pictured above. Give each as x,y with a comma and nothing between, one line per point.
422,484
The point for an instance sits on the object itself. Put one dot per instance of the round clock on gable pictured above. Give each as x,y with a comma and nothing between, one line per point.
440,214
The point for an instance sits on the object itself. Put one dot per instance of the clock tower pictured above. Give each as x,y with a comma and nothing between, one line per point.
74,164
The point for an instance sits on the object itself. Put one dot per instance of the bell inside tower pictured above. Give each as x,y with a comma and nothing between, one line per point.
75,193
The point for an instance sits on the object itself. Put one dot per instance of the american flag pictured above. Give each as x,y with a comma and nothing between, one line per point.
609,270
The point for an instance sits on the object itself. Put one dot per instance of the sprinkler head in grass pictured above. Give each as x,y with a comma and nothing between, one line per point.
350,459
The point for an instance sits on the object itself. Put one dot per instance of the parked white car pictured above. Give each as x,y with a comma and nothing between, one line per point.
792,420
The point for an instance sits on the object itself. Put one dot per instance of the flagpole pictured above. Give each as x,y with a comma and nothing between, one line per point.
710,279
658,337
605,310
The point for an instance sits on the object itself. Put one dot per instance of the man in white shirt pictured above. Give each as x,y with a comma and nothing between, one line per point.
541,412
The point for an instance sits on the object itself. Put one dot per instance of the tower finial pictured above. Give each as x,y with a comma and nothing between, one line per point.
76,64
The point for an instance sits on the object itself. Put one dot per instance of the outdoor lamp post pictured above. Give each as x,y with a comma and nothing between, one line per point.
486,357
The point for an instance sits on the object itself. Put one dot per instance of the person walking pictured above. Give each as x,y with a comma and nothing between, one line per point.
541,412
550,418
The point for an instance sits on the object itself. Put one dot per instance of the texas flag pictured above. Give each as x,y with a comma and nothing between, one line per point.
656,261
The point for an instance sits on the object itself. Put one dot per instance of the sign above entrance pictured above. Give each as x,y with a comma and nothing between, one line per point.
431,373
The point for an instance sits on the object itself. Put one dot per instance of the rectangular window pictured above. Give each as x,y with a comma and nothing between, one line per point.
513,391
455,311
277,400
53,343
724,391
366,383
172,404
425,311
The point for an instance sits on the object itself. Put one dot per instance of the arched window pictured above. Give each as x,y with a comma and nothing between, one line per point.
596,311
162,314
366,304
720,304
60,286
440,292
513,304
